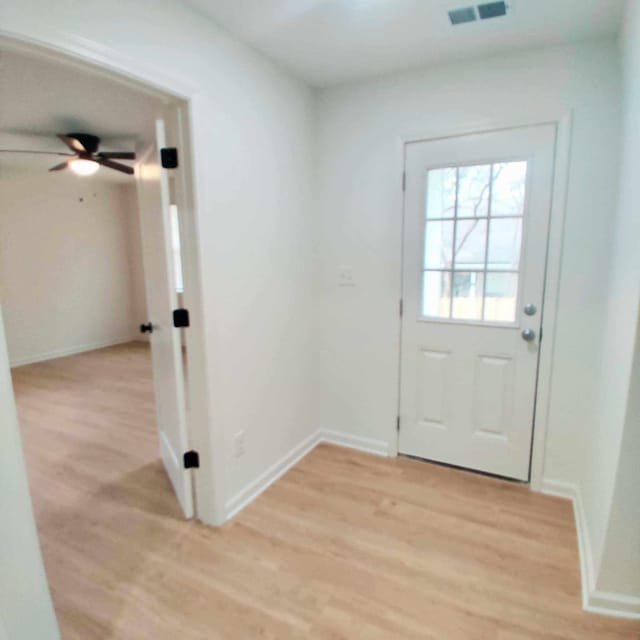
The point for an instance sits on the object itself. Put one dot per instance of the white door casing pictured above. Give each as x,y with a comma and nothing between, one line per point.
468,378
166,348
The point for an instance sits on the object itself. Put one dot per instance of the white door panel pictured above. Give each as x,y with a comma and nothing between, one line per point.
475,241
166,348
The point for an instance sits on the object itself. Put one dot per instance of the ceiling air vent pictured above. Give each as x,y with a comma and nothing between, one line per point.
460,16
492,10
484,11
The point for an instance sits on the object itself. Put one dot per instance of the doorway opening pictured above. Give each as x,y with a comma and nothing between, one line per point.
85,262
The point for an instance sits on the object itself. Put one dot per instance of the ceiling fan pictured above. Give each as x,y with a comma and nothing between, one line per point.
88,159
85,159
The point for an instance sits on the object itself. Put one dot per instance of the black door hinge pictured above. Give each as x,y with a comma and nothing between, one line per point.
191,460
180,318
404,180
401,307
169,157
398,423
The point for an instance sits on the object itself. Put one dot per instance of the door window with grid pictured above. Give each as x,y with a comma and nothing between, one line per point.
473,240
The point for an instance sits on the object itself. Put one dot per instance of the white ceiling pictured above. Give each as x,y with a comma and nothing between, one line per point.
330,41
40,97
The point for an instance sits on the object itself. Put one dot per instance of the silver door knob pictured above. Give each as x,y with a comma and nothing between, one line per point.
528,335
530,309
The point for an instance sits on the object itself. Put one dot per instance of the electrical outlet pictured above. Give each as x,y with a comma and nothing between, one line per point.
238,444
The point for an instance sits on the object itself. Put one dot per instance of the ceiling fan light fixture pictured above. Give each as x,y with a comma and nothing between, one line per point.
83,167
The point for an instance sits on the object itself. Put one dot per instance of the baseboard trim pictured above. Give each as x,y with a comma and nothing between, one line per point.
278,469
275,471
348,440
593,600
558,489
614,604
63,353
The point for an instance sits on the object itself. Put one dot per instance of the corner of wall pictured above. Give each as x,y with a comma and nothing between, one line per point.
247,495
593,599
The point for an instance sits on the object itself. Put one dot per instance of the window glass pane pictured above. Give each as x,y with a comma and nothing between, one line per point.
473,237
441,193
436,294
501,297
505,239
438,247
508,192
473,191
467,295
471,241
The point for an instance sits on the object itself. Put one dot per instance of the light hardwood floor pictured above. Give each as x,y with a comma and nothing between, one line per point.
345,546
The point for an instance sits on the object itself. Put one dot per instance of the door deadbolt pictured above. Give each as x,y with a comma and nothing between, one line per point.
530,309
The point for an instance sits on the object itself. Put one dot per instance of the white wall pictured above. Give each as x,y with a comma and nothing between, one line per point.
129,204
65,264
610,488
619,554
252,128
360,225
26,611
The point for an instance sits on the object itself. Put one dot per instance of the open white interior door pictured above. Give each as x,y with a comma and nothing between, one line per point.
166,349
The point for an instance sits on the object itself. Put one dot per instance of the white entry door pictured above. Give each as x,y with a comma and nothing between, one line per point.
166,348
475,242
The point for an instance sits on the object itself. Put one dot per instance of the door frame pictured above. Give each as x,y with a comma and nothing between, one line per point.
562,120
203,435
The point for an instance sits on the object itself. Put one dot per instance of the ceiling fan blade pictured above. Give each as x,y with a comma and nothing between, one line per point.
117,155
60,167
115,165
73,143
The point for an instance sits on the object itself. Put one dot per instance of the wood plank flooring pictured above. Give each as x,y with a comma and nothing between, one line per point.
345,546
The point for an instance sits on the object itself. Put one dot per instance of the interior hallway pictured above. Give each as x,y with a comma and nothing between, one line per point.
346,545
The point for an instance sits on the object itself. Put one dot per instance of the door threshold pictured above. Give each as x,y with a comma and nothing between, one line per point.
466,469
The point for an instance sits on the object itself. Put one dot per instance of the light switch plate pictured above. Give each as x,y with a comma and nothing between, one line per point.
345,276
